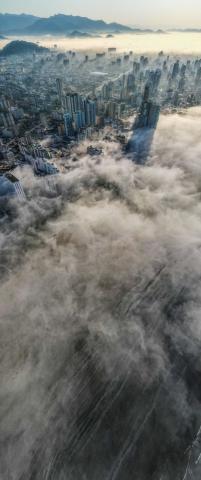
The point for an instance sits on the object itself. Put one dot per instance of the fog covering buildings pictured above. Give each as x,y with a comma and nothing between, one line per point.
61,99
101,357
10,186
100,276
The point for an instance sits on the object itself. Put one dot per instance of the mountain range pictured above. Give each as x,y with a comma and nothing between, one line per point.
60,24
11,22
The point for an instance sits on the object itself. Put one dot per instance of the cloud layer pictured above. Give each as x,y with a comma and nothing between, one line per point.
100,318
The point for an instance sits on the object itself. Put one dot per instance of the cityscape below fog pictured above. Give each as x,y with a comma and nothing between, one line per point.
50,101
100,234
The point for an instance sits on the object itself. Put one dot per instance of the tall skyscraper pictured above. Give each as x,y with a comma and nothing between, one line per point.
59,85
79,120
149,113
143,129
68,123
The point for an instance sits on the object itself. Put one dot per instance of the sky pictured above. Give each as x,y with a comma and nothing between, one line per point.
154,13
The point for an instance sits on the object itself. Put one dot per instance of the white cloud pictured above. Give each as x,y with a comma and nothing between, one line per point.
100,317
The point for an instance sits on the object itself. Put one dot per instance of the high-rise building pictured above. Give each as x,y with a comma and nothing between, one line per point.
112,109
68,124
82,110
175,70
73,102
107,90
59,85
11,186
79,120
91,112
149,113
144,126
198,76
130,81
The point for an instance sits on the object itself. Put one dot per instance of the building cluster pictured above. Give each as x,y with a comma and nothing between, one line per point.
79,114
36,156
58,99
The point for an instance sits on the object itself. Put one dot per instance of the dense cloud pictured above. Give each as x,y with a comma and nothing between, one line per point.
100,318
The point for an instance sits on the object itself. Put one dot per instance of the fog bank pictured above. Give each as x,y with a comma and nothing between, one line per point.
100,318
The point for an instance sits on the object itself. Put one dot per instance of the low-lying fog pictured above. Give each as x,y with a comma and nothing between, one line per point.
100,318
176,42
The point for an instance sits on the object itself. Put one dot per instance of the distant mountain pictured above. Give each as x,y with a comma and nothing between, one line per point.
147,30
2,37
77,34
188,30
62,24
19,47
11,22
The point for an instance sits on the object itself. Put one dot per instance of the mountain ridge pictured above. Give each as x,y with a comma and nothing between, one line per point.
13,21
56,24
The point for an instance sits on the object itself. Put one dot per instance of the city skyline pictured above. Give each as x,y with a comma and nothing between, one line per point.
157,13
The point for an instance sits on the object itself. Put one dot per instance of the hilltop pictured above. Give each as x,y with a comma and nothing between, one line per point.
77,34
19,47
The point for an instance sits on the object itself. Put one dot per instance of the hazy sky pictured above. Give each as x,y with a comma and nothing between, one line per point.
182,13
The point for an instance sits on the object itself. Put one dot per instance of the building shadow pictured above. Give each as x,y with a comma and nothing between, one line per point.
139,145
